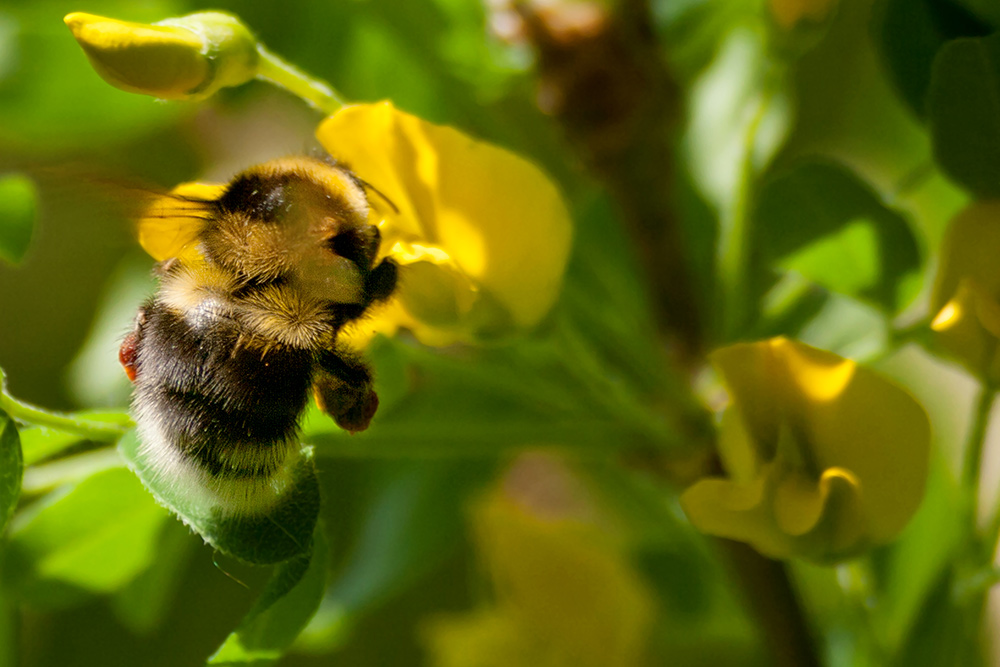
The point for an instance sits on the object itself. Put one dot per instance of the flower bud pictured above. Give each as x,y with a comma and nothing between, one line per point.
185,58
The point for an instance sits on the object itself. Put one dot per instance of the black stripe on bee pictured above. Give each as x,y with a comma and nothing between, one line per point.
228,408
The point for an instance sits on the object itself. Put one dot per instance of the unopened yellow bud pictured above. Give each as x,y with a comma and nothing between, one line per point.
184,58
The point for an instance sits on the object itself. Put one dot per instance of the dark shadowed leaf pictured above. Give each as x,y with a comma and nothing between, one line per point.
824,223
909,33
283,609
964,103
985,10
414,520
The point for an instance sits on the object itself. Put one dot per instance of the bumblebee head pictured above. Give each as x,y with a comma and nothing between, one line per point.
299,220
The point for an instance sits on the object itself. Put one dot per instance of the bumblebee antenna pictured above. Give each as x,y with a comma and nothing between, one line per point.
382,196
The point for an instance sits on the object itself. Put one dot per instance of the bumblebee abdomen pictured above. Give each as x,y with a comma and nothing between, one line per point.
215,411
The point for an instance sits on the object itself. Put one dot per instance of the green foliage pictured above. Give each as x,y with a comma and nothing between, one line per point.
826,224
413,520
43,75
11,469
811,168
909,34
94,537
285,606
264,538
964,101
18,201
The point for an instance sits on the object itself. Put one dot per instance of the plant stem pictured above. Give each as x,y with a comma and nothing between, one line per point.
733,252
48,476
774,604
86,428
972,467
9,640
318,93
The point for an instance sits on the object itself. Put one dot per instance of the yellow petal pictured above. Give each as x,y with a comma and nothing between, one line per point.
968,328
784,513
497,218
185,58
737,448
742,367
738,511
969,250
815,427
565,580
487,638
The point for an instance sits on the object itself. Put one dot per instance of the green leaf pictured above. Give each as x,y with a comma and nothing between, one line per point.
39,443
964,102
18,205
91,538
288,602
823,222
144,601
415,519
554,391
281,533
910,568
908,34
945,631
49,76
11,469
986,10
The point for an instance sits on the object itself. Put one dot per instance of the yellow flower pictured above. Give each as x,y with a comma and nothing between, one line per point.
824,458
482,235
184,58
566,596
966,296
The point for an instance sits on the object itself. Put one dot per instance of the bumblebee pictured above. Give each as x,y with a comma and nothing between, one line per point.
257,278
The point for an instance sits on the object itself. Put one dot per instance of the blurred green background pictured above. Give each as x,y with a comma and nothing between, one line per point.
83,144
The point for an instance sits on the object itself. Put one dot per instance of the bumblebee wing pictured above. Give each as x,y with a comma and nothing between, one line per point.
170,224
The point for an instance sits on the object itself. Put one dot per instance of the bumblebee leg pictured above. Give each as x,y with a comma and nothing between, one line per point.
382,280
129,350
343,390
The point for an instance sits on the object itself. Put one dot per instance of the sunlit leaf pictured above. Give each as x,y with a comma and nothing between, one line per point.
144,601
823,222
18,201
964,103
283,609
39,442
736,97
276,535
91,538
11,467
